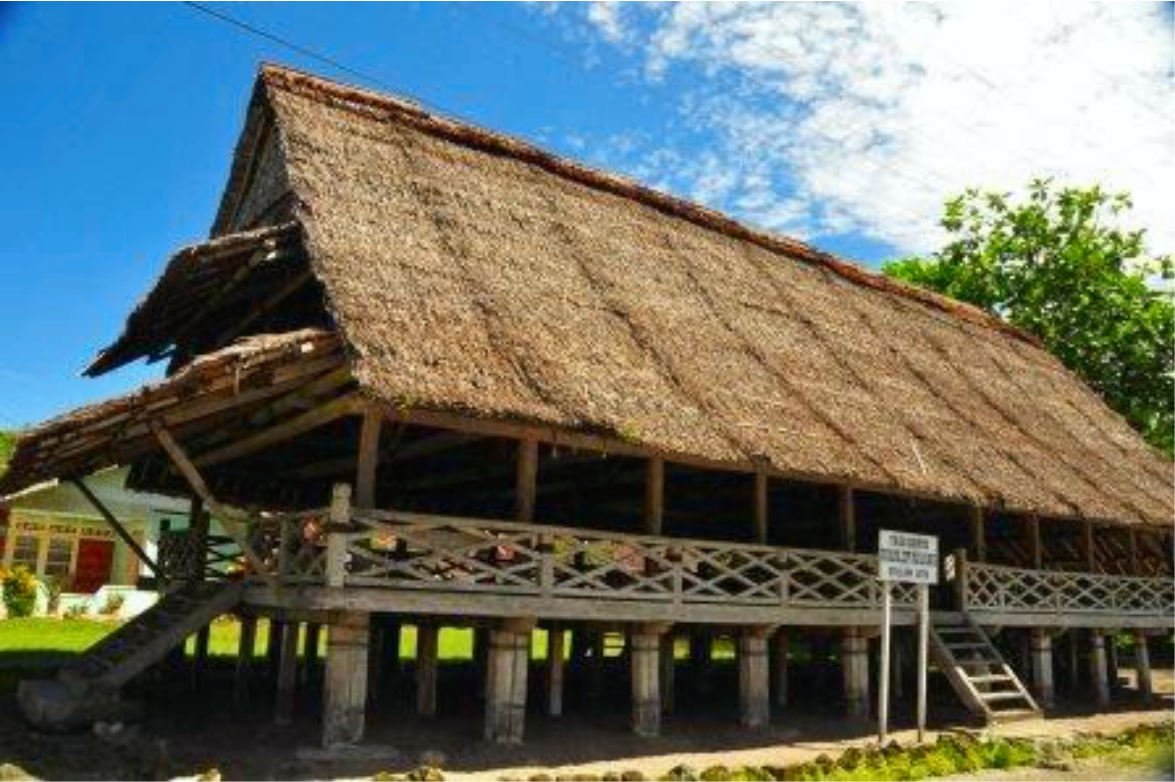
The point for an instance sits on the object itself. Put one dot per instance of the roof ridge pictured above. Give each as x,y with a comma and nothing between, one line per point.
386,106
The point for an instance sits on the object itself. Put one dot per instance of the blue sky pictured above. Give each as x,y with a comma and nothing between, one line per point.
119,122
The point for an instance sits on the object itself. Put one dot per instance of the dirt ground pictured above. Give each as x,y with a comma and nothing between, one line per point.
189,730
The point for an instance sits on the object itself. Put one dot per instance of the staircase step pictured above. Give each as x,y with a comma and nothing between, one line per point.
992,678
1002,696
957,646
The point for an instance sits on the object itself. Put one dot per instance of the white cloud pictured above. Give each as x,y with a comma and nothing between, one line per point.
825,118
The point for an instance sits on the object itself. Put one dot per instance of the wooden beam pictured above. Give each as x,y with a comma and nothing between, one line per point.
526,479
367,458
1035,552
978,538
284,430
761,507
654,495
119,530
847,508
1133,551
233,520
1087,546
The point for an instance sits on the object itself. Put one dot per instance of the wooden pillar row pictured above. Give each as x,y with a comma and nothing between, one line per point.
654,496
762,510
345,697
753,679
978,538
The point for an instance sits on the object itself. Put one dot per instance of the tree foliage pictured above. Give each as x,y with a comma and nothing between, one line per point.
1056,263
7,446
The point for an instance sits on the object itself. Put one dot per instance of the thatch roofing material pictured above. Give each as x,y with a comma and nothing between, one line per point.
216,387
194,277
470,272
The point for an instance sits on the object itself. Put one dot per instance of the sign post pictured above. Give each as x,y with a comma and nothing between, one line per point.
905,559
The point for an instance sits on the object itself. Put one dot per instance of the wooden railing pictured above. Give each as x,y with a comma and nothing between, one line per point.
397,550
996,588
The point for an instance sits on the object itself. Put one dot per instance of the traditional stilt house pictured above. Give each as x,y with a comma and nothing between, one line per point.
431,375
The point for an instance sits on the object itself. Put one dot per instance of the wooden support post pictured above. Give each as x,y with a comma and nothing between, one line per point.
1112,663
978,538
1134,552
855,669
1097,668
427,636
505,708
245,647
668,673
200,659
645,659
393,640
1035,552
375,658
273,645
1142,667
367,465
1042,668
345,696
1088,548
897,662
597,641
481,658
779,668
287,675
762,510
526,479
555,670
1074,666
310,651
654,495
847,508
754,687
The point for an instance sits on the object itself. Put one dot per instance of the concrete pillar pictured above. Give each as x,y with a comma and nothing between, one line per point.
753,679
668,673
1142,667
505,708
1042,668
1097,668
287,674
645,659
245,647
345,692
855,670
427,647
779,669
555,670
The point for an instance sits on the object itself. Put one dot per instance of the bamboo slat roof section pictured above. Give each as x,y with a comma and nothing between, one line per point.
214,388
471,273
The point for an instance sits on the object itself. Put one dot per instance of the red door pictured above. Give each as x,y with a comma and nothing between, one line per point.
94,559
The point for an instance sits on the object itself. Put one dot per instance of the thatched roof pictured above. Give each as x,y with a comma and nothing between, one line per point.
470,272
225,387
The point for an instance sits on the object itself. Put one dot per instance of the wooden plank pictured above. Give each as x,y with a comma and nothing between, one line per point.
847,514
367,458
654,495
118,528
978,537
527,466
1035,552
761,508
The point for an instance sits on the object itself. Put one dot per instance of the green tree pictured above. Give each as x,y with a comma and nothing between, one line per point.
7,446
1056,263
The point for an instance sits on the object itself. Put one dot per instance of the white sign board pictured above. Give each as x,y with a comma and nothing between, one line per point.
906,558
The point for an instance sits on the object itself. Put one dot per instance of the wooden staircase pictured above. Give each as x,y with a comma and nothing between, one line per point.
87,689
984,681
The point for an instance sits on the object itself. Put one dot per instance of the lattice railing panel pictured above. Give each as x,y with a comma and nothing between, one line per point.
1007,589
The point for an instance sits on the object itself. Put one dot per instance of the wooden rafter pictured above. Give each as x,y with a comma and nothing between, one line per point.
267,305
282,430
117,526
